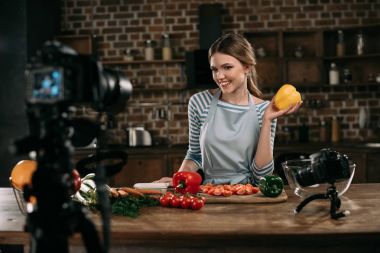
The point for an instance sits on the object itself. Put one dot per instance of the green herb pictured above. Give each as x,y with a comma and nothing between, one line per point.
130,205
125,206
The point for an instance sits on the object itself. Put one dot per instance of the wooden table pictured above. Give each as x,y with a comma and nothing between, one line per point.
233,227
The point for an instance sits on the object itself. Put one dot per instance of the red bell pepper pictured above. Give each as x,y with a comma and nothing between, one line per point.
186,181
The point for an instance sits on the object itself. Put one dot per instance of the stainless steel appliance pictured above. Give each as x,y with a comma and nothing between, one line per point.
138,136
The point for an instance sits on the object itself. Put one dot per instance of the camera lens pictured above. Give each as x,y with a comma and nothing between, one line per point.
115,89
305,176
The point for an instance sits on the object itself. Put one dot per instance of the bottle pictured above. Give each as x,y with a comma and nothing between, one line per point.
347,77
378,78
166,49
149,52
340,46
323,132
359,44
128,55
335,130
333,74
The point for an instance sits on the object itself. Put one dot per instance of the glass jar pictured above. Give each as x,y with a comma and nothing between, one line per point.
148,51
128,55
340,47
166,49
359,44
333,74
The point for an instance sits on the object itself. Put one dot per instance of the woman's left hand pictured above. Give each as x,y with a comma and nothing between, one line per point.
271,112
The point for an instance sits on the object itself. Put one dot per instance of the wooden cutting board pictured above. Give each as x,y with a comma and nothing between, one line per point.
245,199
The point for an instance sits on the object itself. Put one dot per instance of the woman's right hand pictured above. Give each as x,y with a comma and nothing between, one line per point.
271,112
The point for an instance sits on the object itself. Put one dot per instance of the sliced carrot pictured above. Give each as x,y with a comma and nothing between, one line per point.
132,191
122,193
114,193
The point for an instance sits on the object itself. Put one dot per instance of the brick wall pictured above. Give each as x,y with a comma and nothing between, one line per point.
126,24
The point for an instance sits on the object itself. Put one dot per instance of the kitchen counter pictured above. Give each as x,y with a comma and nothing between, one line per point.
233,227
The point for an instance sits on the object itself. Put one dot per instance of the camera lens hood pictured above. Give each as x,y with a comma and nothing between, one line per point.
112,161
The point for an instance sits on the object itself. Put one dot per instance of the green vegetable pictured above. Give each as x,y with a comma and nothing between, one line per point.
271,186
130,205
126,206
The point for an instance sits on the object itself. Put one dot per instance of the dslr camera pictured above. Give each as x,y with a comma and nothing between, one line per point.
326,166
60,75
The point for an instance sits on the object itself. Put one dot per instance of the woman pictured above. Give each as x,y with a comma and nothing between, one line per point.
231,130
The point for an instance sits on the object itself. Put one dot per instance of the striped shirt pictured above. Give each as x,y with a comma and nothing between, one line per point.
199,106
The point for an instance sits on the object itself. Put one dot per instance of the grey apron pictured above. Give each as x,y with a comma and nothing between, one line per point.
228,141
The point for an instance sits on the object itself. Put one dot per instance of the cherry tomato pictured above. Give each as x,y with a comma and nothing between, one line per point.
76,180
174,201
185,202
197,204
169,194
165,200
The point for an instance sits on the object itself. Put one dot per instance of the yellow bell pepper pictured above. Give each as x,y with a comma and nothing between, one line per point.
286,97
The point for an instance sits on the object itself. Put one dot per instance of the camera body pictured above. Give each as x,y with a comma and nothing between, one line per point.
326,166
60,76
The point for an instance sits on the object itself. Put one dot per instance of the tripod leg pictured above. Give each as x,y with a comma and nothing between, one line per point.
335,203
309,199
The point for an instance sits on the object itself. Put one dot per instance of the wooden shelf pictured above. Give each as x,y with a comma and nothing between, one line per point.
318,47
123,62
351,57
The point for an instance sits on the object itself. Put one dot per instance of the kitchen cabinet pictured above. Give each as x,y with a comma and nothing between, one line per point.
175,161
363,66
140,169
303,57
145,164
360,159
269,56
373,167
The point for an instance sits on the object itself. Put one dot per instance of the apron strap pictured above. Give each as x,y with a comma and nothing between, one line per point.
213,105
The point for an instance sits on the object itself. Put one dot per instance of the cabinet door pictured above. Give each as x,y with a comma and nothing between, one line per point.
373,168
141,169
175,163
360,159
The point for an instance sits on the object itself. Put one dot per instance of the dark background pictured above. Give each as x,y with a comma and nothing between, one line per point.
24,26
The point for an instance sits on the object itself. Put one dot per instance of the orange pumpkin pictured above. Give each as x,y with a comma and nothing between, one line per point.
286,97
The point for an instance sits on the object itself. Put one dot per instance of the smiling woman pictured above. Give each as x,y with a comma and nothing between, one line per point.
231,129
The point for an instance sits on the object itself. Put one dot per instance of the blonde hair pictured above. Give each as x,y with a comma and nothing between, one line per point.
237,46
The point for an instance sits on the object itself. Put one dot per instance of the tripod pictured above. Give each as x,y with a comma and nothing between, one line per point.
335,202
